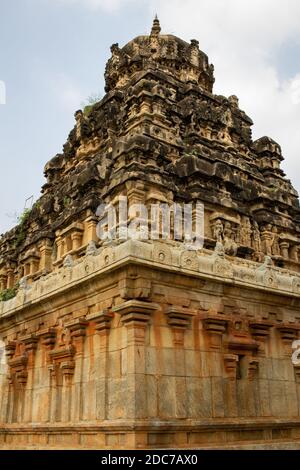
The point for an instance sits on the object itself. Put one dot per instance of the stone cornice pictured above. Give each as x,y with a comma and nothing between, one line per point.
210,267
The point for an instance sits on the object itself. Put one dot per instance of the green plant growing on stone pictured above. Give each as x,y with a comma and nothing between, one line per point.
36,205
67,201
90,102
8,294
21,232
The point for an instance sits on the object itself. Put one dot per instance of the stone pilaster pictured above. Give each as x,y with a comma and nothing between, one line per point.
30,343
77,328
231,365
102,321
135,316
61,370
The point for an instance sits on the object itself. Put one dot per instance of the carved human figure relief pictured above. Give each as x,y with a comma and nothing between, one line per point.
218,230
275,243
229,241
245,232
256,240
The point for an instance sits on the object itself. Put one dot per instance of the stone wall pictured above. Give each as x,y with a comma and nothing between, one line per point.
156,354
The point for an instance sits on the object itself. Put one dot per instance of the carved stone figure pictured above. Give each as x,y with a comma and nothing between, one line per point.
218,230
229,241
275,243
245,232
256,241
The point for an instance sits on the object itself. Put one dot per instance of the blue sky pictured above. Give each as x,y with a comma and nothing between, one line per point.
53,55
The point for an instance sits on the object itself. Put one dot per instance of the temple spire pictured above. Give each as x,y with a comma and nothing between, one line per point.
156,29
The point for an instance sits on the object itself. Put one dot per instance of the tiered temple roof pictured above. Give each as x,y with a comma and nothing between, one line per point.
160,134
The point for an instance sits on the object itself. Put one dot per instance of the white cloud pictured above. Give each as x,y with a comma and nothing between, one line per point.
66,92
295,89
243,40
106,5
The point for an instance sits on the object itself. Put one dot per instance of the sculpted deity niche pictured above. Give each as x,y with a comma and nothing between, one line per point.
241,233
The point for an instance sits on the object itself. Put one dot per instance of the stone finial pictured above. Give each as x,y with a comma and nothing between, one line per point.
156,29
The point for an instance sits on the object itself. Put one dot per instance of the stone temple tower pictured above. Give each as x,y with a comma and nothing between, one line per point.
145,342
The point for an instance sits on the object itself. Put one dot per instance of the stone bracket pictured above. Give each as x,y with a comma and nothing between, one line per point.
179,319
135,315
135,311
216,326
102,320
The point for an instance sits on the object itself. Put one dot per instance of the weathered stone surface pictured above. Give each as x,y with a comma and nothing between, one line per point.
138,344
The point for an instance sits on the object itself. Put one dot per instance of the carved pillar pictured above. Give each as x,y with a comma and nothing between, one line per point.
18,378
231,364
102,321
294,253
26,269
253,364
91,224
48,337
73,236
179,319
30,345
76,238
284,248
21,365
136,315
10,349
61,370
34,262
3,280
60,245
77,330
46,254
10,276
